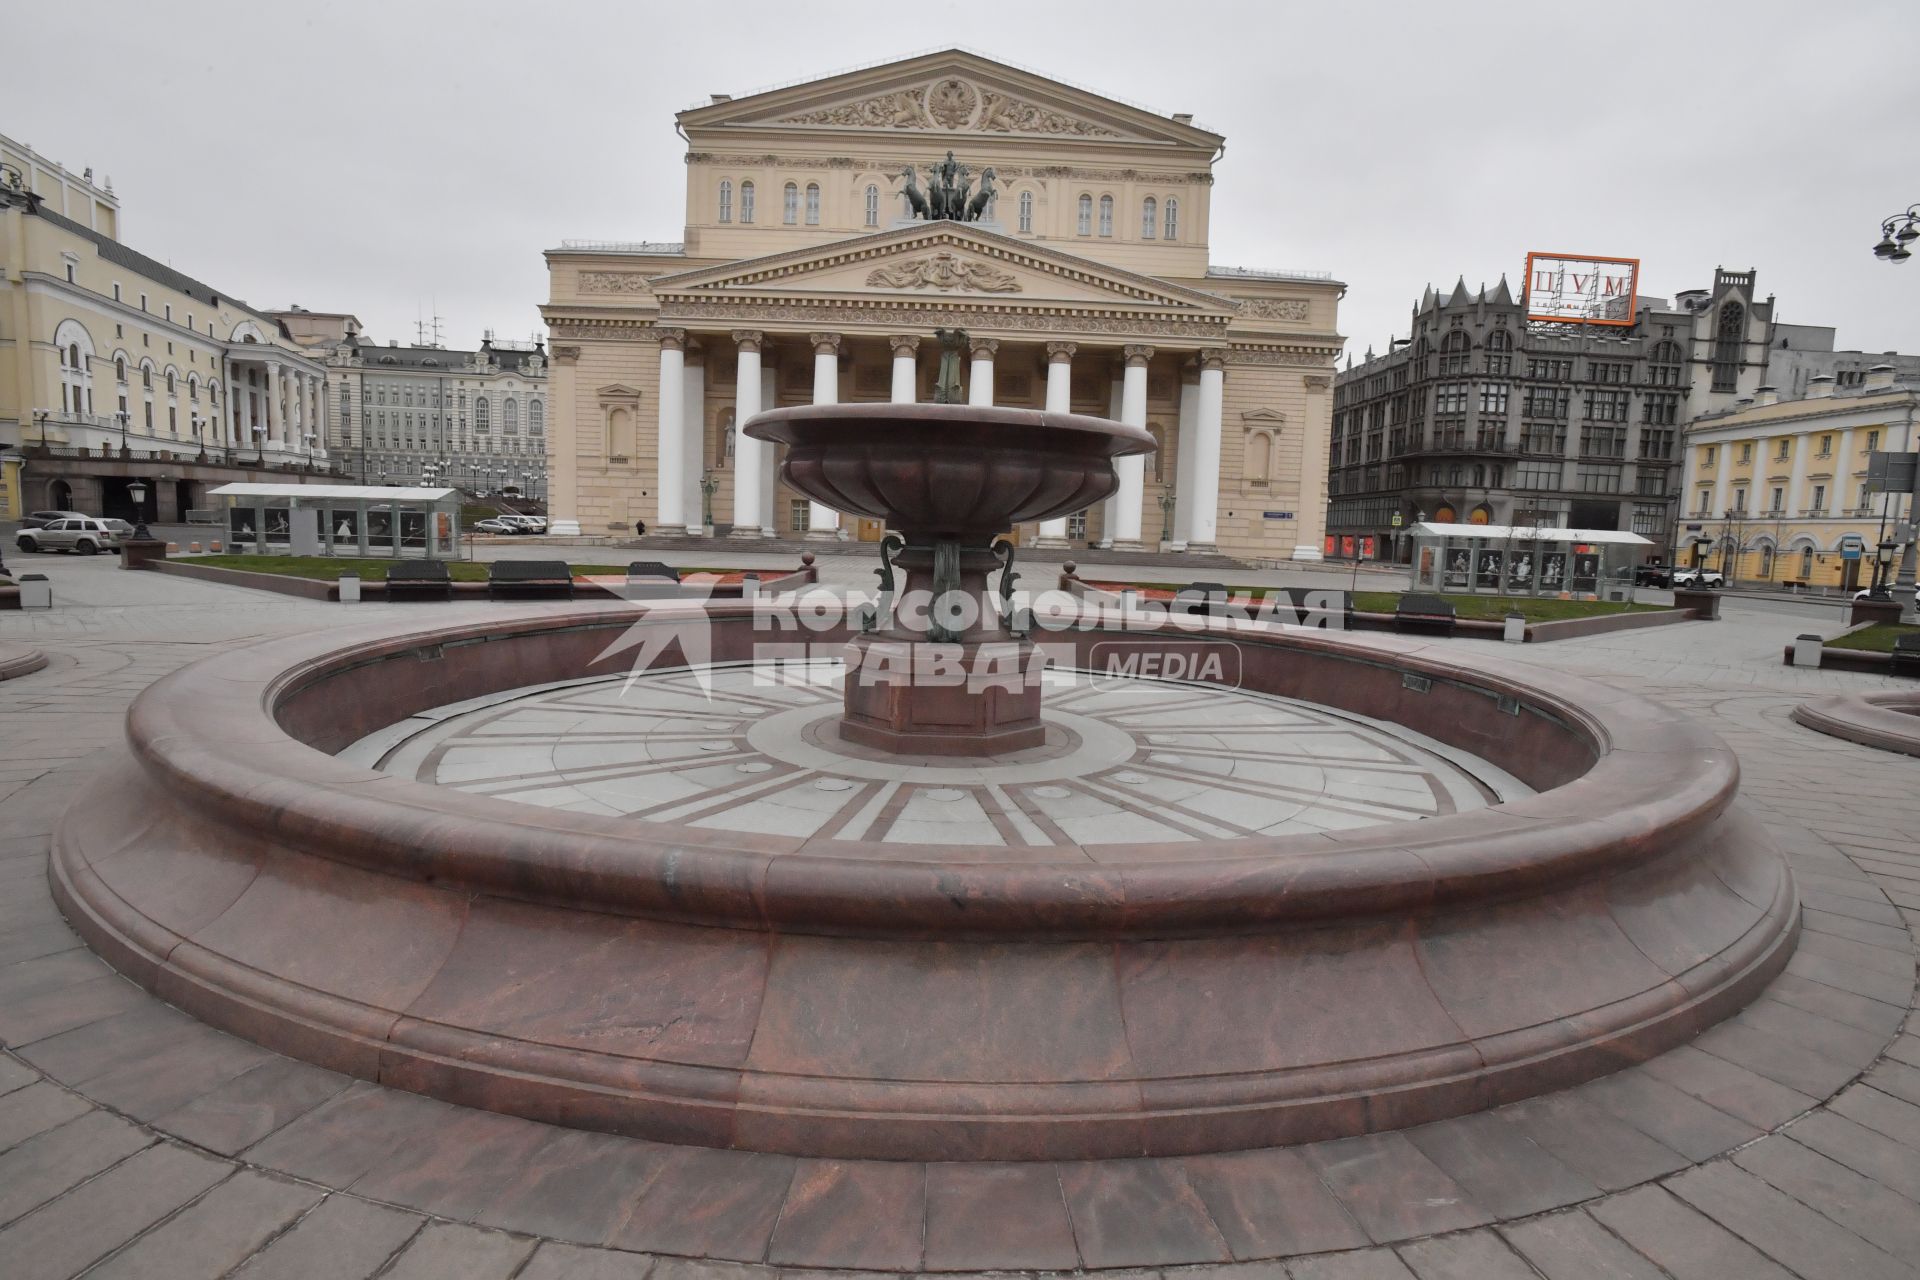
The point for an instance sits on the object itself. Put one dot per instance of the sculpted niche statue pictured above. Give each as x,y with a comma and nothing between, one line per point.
950,193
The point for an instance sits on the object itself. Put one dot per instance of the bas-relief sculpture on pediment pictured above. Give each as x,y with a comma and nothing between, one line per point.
952,103
943,271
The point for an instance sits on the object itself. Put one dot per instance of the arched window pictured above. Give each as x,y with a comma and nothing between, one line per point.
73,356
1665,351
790,204
1499,340
146,376
726,201
1149,218
1026,211
873,206
1173,218
75,347
1806,564
536,418
746,203
510,417
1766,559
171,389
119,368
482,416
1086,215
813,204
1106,215
1728,340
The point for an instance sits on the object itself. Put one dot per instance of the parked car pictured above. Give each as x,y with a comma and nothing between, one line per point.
1653,574
38,519
1698,577
83,534
526,524
492,524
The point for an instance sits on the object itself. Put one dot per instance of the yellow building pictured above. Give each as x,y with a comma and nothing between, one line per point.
115,367
804,274
1776,490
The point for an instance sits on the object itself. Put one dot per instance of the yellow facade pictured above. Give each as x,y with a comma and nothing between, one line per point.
1096,239
1775,492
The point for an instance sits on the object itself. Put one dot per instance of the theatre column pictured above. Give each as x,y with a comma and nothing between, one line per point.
905,381
670,515
276,420
1053,533
980,384
1131,493
746,451
1203,511
1182,529
823,522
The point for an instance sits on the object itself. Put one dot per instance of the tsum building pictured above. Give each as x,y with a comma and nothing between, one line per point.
805,275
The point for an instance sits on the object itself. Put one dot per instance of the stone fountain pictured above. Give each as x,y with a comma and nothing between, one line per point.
950,479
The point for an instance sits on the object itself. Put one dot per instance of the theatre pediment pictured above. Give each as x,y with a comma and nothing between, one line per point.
948,93
943,260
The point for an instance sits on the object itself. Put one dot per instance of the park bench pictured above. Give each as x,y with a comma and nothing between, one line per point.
1424,613
1202,599
1906,654
419,580
651,579
529,578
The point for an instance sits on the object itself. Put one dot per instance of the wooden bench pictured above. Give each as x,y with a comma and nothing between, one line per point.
1424,613
1906,654
419,580
529,578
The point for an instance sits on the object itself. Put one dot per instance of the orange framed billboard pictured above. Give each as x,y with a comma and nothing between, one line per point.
1578,288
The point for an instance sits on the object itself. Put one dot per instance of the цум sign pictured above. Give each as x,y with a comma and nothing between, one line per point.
1568,288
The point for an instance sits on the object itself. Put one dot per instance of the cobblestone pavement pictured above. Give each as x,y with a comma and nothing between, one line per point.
136,1142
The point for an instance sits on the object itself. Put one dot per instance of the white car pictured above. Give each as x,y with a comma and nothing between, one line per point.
1698,577
82,534
492,524
525,524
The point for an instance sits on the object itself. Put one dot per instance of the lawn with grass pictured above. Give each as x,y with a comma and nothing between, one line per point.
327,568
1877,638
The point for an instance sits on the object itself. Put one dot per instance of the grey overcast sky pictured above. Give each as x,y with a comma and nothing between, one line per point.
396,158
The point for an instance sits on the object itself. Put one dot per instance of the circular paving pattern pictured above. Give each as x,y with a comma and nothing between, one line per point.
734,749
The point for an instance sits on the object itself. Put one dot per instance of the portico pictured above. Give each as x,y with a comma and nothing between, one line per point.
662,352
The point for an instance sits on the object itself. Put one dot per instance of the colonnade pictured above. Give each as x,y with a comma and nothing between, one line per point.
1196,468
286,411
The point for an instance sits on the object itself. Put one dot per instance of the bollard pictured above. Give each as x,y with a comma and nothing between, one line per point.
36,592
349,588
1515,631
1806,650
214,547
173,548
194,547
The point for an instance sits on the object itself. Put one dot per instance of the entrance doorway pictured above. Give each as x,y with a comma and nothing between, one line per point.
60,496
1850,574
871,530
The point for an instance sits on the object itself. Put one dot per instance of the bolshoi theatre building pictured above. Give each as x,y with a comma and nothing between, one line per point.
834,227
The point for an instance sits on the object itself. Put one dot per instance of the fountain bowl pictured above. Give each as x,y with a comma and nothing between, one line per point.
937,470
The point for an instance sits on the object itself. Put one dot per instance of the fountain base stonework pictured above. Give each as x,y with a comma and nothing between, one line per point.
916,698
783,990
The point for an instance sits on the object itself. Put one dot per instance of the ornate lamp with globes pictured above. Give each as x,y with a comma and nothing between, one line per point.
142,548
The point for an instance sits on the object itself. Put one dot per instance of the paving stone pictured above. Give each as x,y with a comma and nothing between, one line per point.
1729,1086
59,972
349,1134
39,939
989,1217
175,1073
1873,909
869,1215
1779,1059
15,1074
1897,1079
1885,987
1667,1114
1686,1243
1271,1204
35,1109
62,1238
446,1251
1870,1154
1841,1006
126,1039
1879,1214
1392,1189
245,1109
472,1157
1505,1171
1607,1151
23,1021
1895,960
1881,1112
571,1262
1131,1213
1370,1264
214,1234
344,1238
708,1204
1892,934
578,1187
1572,1246
51,1163
1781,1227
1471,1255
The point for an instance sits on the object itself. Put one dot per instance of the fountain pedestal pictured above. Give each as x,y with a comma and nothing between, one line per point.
941,673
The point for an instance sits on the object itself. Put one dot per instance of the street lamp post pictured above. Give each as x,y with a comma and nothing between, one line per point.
1896,233
123,415
1883,569
709,486
198,424
138,492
